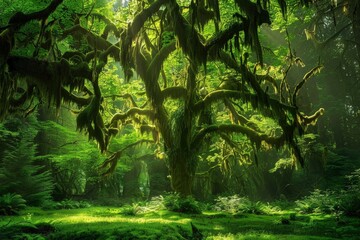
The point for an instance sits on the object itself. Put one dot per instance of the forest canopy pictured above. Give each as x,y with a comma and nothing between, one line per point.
195,78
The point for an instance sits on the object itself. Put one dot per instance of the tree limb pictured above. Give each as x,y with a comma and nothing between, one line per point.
253,135
114,158
45,70
238,118
174,92
19,18
69,97
224,36
246,97
132,112
125,96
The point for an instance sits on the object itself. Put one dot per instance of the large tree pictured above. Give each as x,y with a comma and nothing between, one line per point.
193,60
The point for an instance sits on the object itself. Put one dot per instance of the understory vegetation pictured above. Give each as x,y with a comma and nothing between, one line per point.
153,220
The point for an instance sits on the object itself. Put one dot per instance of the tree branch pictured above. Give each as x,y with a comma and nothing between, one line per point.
156,63
114,158
45,70
253,135
174,92
20,18
141,18
238,118
188,37
246,97
125,96
224,36
132,112
69,97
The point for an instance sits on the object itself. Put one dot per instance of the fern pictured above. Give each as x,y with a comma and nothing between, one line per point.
18,172
11,203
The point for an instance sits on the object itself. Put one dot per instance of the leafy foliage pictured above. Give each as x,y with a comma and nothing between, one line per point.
173,202
335,201
237,205
319,201
19,172
131,210
11,204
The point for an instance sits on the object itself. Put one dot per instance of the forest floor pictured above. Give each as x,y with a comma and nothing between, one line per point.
111,223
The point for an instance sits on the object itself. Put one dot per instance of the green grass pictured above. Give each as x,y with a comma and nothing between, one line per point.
109,223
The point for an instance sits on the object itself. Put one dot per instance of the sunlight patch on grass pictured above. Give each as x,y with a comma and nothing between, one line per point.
84,218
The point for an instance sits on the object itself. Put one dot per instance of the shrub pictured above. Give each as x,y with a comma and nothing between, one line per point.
319,202
350,199
335,202
173,202
11,203
131,210
235,204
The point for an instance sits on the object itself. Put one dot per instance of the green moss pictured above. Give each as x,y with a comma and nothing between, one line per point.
107,223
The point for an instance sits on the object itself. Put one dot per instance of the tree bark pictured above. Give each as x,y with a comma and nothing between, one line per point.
182,171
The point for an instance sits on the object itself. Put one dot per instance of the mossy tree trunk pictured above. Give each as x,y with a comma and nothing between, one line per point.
182,171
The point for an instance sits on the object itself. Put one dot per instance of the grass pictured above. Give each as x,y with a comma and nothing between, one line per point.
109,223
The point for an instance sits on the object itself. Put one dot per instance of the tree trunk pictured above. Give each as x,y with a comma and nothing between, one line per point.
182,170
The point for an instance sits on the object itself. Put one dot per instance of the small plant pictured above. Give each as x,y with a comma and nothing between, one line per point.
319,202
11,204
173,202
131,210
350,198
235,204
155,204
228,204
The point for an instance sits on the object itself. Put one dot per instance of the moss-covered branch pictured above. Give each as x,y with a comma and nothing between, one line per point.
224,36
311,120
111,161
156,63
188,37
144,15
174,92
69,97
238,118
306,77
51,77
253,135
132,112
110,26
20,18
125,96
95,41
130,34
219,95
45,70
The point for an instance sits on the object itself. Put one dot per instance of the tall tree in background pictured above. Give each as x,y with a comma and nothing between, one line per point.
192,57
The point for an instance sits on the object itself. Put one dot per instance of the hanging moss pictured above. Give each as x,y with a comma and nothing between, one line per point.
306,77
188,37
156,63
221,39
214,5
